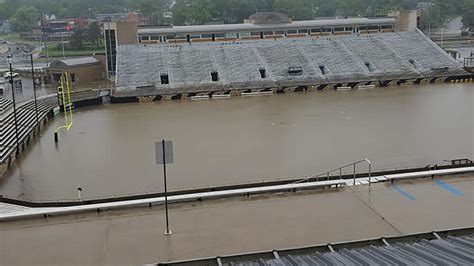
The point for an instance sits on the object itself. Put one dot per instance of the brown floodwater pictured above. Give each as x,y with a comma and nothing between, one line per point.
109,150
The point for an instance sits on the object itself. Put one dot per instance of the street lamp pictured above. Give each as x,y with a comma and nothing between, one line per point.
9,59
34,89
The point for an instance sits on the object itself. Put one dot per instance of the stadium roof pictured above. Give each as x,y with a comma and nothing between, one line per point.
255,27
75,62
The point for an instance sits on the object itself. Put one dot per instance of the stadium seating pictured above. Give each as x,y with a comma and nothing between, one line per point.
336,59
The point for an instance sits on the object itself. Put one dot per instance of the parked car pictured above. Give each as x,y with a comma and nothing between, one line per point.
8,74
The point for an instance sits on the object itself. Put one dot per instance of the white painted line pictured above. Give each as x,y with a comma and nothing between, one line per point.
430,173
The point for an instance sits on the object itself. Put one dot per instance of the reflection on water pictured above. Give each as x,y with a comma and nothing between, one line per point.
110,149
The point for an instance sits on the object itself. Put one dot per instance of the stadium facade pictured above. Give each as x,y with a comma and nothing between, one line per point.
307,55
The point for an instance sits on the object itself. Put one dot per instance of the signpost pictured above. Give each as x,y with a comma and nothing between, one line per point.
164,155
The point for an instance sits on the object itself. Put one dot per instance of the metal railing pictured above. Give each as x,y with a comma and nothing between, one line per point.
354,164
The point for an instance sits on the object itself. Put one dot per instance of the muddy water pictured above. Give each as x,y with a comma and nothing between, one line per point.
110,149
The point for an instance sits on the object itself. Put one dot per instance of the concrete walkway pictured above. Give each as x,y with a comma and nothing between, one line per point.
228,226
14,212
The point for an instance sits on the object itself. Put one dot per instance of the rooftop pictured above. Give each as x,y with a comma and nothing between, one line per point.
251,27
75,62
452,247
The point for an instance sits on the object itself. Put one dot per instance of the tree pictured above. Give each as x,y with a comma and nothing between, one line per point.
77,39
4,11
296,9
25,18
147,8
193,12
93,33
468,14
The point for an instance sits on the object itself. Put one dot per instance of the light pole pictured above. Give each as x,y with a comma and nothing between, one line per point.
34,89
62,41
9,58
44,34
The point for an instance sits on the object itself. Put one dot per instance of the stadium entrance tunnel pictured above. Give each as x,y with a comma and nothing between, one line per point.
178,96
301,89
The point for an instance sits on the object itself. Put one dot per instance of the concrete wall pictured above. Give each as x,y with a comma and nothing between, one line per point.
84,75
126,32
406,19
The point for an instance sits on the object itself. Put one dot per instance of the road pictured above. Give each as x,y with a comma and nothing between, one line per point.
19,51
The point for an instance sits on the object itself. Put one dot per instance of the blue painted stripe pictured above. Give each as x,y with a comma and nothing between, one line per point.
403,192
449,188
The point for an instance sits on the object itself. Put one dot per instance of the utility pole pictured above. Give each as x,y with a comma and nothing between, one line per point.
62,41
164,155
167,232
429,20
44,34
34,89
14,103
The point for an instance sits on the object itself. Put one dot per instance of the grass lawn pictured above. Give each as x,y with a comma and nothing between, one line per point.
56,50
15,37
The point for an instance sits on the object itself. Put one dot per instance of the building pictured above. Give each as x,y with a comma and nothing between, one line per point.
264,25
81,71
117,33
136,17
6,27
407,20
283,64
271,52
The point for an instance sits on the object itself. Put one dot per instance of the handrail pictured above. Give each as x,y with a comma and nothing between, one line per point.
340,171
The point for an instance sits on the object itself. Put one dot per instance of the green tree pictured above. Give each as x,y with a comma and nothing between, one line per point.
4,11
147,8
296,9
193,12
77,39
25,18
93,33
468,14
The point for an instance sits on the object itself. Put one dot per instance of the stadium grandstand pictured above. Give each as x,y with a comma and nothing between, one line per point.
262,25
323,54
302,62
262,30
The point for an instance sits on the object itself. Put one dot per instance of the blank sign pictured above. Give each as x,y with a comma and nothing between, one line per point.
168,152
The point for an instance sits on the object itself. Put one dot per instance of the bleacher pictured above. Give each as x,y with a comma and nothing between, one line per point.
282,56
349,58
190,67
338,61
378,56
5,104
423,53
26,123
225,56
